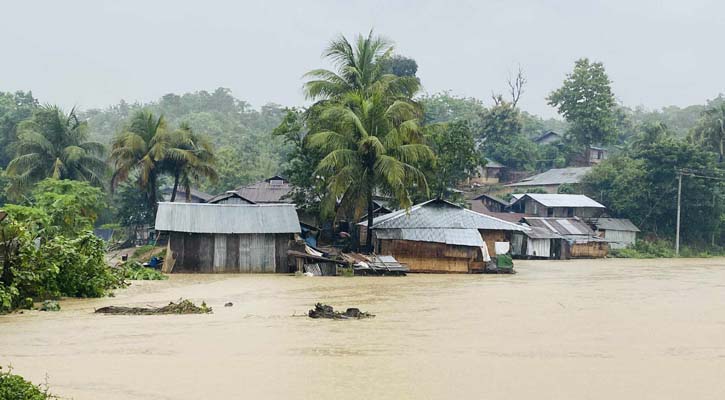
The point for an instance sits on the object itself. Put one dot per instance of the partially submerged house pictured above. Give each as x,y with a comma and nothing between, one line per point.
551,180
558,205
619,232
537,242
439,236
227,237
577,240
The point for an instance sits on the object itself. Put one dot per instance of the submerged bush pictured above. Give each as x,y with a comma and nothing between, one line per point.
135,271
15,387
646,249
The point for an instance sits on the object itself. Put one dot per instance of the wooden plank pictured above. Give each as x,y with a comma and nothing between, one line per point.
220,253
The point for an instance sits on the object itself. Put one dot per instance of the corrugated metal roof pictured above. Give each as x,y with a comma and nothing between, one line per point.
459,237
562,226
555,176
563,200
541,233
441,214
223,196
493,164
227,218
614,224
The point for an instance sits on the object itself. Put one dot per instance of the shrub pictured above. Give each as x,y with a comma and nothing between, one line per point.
15,387
135,271
646,249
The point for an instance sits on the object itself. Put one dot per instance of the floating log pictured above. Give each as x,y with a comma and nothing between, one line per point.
182,307
325,311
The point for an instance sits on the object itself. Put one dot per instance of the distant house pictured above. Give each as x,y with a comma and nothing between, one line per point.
551,180
227,237
558,205
619,232
537,242
230,197
439,236
548,138
577,240
487,203
488,174
597,155
270,190
196,196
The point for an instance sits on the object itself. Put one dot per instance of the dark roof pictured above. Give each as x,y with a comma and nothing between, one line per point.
614,224
493,164
271,190
554,176
545,135
493,198
514,218
224,196
181,194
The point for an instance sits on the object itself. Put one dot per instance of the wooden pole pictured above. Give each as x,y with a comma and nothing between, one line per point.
679,198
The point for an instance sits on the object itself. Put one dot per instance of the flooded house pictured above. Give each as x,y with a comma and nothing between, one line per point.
240,238
619,232
439,236
558,205
575,238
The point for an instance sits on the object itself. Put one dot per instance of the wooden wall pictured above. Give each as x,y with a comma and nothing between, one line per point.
491,237
589,250
221,253
430,257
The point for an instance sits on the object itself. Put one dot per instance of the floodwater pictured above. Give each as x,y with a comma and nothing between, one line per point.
593,329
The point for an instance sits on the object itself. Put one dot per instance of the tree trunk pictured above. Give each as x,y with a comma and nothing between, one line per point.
369,236
176,186
151,190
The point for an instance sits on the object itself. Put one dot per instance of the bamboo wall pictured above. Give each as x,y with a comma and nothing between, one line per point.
491,237
222,253
430,257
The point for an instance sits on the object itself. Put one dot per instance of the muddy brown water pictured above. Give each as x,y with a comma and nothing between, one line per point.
595,329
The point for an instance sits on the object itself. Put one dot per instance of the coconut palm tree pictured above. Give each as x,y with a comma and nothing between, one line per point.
141,147
190,157
710,130
367,125
53,144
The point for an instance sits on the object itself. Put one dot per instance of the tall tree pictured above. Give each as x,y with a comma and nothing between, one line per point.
457,158
14,108
586,101
141,147
53,144
368,127
710,130
189,158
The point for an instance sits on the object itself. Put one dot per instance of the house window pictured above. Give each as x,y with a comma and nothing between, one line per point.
549,212
569,212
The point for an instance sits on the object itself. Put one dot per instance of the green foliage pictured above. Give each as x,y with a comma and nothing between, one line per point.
587,103
646,249
399,65
143,250
15,387
73,206
642,186
445,107
302,160
131,207
135,271
710,130
503,140
14,108
53,144
457,158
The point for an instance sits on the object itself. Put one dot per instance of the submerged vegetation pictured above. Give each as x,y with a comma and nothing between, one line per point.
183,306
15,387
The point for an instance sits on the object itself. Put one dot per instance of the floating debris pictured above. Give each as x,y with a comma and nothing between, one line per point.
325,311
182,307
50,305
229,304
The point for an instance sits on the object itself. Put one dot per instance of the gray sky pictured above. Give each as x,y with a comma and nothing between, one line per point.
94,53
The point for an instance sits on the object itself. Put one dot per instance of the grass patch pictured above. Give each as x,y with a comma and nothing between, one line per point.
135,271
664,249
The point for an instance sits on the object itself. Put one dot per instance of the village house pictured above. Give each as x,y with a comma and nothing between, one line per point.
619,232
227,237
558,205
485,203
230,197
488,174
271,190
549,137
575,238
551,180
439,236
194,196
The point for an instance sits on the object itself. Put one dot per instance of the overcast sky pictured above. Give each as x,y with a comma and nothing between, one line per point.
94,53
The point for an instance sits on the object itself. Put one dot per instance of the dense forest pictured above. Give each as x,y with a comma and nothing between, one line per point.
421,146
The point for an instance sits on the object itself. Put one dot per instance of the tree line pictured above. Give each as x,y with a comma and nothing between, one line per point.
368,133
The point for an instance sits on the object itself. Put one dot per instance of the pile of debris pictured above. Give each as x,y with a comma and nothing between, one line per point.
182,307
318,262
325,311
